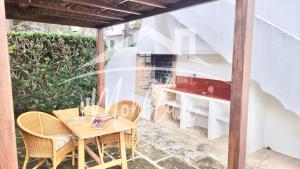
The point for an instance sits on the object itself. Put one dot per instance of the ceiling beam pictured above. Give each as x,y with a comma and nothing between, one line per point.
102,5
157,11
75,11
68,10
23,3
79,18
37,16
55,20
16,9
152,3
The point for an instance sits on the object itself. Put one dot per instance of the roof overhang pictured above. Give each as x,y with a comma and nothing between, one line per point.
90,13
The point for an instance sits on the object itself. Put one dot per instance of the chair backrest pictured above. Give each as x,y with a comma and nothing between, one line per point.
33,126
93,109
35,122
128,109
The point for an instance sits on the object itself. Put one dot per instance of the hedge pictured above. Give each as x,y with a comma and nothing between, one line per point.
41,63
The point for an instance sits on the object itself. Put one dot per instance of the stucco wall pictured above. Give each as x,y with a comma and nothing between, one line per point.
120,76
269,123
284,14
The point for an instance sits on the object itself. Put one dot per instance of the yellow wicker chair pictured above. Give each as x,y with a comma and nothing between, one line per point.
130,110
45,137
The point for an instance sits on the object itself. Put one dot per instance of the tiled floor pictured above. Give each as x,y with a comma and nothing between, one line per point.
194,148
165,146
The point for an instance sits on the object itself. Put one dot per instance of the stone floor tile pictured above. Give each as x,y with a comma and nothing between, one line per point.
138,163
209,163
174,163
152,153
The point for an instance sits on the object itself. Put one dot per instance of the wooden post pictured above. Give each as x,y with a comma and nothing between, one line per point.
8,151
100,67
243,33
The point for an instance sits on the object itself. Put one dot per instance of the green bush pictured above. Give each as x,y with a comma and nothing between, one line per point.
41,63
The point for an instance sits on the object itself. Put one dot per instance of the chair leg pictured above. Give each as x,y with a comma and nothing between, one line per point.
137,140
101,146
102,149
132,148
73,158
54,164
132,153
25,162
98,144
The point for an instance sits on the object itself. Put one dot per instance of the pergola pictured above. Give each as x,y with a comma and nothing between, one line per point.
104,13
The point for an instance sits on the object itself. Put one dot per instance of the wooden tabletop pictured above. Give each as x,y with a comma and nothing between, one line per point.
81,126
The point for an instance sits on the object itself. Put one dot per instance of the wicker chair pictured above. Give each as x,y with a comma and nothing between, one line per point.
45,137
131,111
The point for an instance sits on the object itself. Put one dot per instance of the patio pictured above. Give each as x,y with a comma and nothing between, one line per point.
83,13
163,146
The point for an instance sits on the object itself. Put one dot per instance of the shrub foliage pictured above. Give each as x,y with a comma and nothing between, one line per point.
42,64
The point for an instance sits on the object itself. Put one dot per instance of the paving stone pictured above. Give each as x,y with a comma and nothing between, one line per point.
174,163
203,147
67,164
138,163
209,163
32,163
253,167
114,152
143,143
151,152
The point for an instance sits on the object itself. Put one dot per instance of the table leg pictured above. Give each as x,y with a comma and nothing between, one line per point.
123,150
81,158
98,143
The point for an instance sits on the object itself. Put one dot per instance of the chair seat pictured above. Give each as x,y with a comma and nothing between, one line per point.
61,140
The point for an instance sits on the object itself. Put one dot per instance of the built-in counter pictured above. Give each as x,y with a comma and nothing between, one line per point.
208,87
196,106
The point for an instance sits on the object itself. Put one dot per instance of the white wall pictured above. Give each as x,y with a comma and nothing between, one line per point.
274,107
282,128
164,35
211,66
275,59
120,76
269,123
284,14
256,118
120,80
117,39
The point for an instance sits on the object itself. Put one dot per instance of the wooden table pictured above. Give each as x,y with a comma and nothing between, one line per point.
82,128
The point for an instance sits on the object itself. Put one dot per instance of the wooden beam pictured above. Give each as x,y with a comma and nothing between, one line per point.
75,11
68,10
100,67
8,151
54,20
50,16
157,11
152,3
23,3
102,5
243,32
80,18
